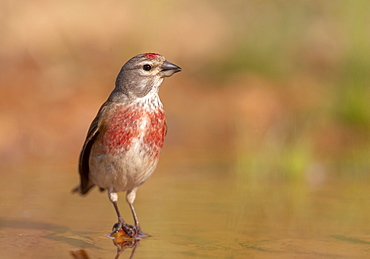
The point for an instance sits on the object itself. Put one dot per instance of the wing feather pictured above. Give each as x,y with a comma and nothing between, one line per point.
83,166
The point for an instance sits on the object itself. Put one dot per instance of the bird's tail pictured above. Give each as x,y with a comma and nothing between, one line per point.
77,189
83,191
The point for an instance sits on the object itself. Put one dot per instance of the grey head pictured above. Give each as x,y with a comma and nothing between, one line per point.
141,75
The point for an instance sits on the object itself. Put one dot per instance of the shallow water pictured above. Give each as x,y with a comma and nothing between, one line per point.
189,211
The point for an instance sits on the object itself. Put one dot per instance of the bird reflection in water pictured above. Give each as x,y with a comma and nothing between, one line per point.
122,242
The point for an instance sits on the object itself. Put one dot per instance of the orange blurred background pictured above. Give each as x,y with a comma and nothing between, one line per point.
279,87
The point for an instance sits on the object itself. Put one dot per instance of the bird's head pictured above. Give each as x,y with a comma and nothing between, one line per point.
143,74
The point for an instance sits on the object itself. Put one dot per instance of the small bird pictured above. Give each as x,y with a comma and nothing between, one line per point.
124,141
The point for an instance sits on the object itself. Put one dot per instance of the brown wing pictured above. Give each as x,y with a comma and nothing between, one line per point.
83,166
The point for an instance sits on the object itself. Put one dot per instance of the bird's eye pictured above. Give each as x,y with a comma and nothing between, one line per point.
147,67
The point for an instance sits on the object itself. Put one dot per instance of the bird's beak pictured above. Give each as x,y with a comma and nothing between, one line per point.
168,69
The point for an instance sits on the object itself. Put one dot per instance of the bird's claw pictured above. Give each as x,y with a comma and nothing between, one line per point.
129,230
116,228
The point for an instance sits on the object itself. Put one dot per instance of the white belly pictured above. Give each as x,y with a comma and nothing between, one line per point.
124,172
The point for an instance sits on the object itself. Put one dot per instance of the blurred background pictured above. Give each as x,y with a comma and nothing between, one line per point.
271,91
281,86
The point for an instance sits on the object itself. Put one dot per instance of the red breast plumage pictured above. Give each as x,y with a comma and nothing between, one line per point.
150,126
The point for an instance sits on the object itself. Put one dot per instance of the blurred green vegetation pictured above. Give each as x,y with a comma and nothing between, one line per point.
327,43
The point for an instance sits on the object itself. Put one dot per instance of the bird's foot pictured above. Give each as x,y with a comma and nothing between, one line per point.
140,233
128,230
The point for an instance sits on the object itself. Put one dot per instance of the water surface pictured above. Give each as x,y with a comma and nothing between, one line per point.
189,211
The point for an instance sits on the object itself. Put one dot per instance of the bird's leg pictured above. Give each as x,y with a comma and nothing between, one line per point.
130,197
128,229
137,225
